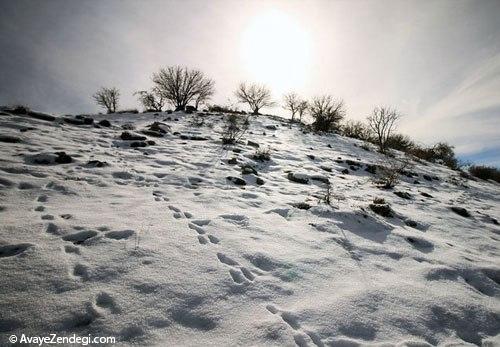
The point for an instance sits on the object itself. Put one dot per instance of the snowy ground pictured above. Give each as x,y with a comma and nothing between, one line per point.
160,248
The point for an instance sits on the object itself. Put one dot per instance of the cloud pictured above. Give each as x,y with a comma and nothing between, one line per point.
468,115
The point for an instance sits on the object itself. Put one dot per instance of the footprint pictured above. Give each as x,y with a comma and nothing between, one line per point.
303,340
80,319
202,240
235,218
48,217
302,337
27,185
104,300
237,276
43,198
66,216
290,319
71,249
420,244
120,234
173,208
226,260
177,215
5,182
213,239
195,227
40,208
52,229
81,271
247,273
188,215
272,309
80,237
201,222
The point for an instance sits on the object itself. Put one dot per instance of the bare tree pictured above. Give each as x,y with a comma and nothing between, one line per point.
326,112
204,95
256,96
292,103
302,109
107,98
383,122
152,100
180,85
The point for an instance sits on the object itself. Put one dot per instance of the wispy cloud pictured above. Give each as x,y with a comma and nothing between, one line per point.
469,114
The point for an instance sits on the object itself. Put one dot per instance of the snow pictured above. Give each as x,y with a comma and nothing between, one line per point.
159,248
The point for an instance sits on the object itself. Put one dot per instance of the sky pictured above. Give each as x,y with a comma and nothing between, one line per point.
437,62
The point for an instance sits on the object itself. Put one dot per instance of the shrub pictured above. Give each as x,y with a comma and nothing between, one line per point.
439,153
366,147
326,112
388,173
234,128
224,109
444,152
356,130
190,109
327,197
380,207
400,142
20,109
485,172
262,154
130,110
197,120
152,101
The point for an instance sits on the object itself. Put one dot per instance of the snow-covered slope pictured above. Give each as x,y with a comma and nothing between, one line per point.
159,247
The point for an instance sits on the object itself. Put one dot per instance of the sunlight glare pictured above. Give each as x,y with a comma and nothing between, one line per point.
276,51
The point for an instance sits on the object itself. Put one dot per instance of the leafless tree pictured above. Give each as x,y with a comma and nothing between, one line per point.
292,103
382,122
180,85
256,96
302,109
152,100
204,95
107,98
327,112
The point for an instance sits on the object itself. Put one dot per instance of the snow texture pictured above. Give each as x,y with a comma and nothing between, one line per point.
155,245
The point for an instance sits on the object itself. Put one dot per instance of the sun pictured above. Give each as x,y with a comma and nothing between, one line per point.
275,51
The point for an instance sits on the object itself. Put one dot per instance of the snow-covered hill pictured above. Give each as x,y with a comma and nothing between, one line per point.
156,246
